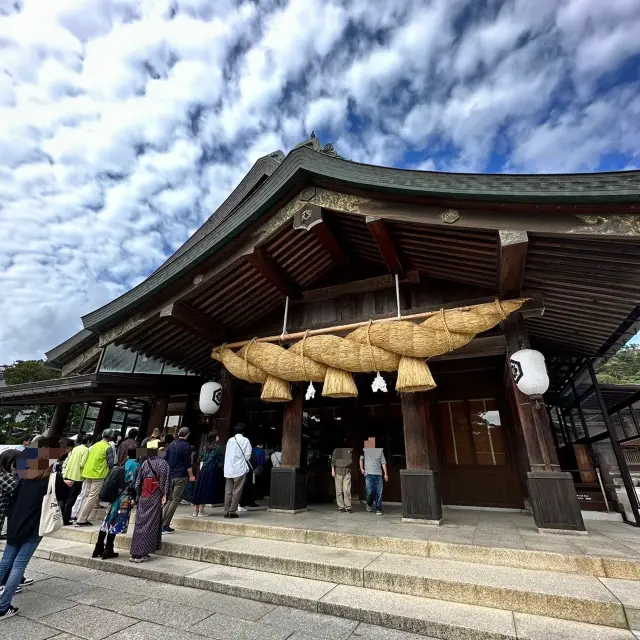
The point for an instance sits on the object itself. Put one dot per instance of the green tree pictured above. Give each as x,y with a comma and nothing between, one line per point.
34,418
23,371
623,368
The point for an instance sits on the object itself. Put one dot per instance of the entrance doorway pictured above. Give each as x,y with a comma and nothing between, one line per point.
476,464
475,438
477,441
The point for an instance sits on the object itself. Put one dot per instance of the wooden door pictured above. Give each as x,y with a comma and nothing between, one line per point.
477,467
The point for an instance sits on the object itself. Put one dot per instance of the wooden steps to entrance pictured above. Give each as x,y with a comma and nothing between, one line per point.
432,596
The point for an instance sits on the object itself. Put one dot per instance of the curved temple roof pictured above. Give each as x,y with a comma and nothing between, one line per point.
273,177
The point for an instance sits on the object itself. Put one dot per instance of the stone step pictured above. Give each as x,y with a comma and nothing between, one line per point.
572,597
426,616
589,564
586,564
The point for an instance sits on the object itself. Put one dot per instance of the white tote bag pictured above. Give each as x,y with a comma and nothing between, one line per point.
51,516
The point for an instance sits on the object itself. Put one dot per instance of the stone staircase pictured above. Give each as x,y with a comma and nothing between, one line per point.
436,589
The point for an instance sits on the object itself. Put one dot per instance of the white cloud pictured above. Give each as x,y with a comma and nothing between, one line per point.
124,123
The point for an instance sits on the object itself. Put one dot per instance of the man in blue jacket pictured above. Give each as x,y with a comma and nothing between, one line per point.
178,457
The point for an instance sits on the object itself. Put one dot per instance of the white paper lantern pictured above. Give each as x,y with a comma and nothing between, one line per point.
210,397
529,372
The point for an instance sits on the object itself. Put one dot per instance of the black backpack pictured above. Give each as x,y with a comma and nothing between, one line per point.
113,485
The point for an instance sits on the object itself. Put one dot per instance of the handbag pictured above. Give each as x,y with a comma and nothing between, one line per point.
150,486
50,516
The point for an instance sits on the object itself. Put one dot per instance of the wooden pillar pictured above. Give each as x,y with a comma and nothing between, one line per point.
159,406
105,415
144,421
420,481
59,419
292,428
190,416
289,482
585,463
225,414
554,502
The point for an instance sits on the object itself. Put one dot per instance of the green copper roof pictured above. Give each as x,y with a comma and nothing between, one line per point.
71,347
305,164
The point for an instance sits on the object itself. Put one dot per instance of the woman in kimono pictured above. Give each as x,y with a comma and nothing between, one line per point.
117,519
153,486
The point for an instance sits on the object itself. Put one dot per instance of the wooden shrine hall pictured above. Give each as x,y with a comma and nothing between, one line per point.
310,250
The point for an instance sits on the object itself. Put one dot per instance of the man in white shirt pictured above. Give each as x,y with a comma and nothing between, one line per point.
276,457
236,467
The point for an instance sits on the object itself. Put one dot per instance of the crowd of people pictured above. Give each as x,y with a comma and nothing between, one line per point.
154,476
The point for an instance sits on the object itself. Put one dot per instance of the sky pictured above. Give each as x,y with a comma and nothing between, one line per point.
123,123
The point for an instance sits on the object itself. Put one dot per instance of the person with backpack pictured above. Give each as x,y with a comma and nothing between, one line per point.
153,487
99,462
117,519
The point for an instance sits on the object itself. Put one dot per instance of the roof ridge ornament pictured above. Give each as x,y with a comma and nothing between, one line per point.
313,142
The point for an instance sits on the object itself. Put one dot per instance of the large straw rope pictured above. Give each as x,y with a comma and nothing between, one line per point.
384,346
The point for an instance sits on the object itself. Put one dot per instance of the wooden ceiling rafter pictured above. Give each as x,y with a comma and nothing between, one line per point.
484,271
230,298
314,219
145,342
142,330
430,252
258,295
155,345
228,301
386,244
190,320
480,253
468,237
264,308
568,338
145,348
271,270
244,273
570,330
293,264
452,273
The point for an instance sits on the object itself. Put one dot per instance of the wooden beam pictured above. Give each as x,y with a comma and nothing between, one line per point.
477,348
512,259
563,222
180,315
532,308
270,269
311,218
359,286
386,245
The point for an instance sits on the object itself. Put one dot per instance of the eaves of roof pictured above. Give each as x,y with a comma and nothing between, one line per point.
66,350
304,163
